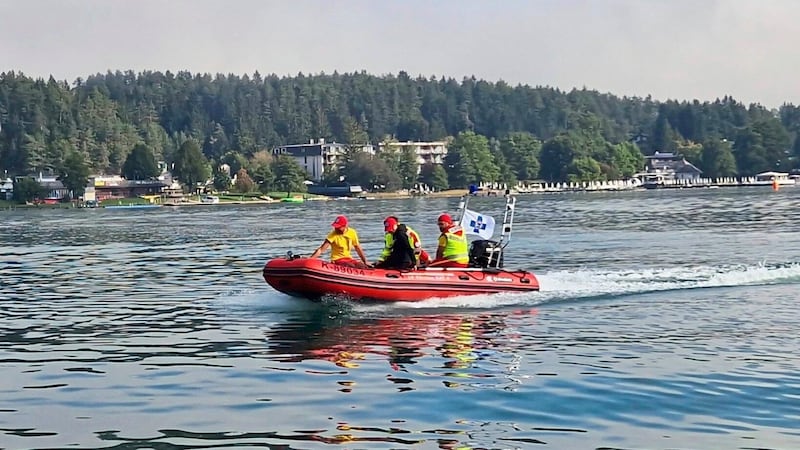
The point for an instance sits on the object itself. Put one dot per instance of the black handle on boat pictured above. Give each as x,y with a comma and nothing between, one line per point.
291,256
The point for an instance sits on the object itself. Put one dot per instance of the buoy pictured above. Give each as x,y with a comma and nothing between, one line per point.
775,185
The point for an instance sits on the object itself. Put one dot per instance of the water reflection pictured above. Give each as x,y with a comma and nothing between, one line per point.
460,346
253,439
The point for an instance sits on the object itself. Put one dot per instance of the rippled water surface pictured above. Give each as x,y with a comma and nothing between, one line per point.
666,320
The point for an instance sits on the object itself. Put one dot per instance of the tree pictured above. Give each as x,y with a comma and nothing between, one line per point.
332,175
34,152
434,176
190,166
27,189
222,181
557,154
74,174
762,146
627,158
140,164
157,140
261,170
691,151
372,173
244,183
401,163
664,137
469,161
408,168
796,146
235,161
460,169
584,169
289,176
104,116
355,139
216,143
776,141
717,159
506,174
521,151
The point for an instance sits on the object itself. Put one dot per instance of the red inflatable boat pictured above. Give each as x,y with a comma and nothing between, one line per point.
314,278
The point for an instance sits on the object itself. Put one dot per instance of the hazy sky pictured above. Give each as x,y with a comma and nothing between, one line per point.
670,49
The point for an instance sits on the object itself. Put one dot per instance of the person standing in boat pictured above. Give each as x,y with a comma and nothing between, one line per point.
390,225
453,249
340,241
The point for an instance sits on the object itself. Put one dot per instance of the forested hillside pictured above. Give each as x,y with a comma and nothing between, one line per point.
500,132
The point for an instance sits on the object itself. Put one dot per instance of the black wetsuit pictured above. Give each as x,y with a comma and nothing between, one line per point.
401,256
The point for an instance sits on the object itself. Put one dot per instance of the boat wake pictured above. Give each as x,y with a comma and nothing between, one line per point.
566,285
557,286
586,284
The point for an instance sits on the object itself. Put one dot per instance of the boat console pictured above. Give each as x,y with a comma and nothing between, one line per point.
485,253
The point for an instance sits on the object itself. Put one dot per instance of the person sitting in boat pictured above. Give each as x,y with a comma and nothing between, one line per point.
390,224
340,241
453,249
401,254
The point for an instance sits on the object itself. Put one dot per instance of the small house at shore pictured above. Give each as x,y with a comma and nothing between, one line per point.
6,189
107,187
665,168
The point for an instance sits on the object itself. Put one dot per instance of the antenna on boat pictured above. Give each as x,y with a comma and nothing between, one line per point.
462,205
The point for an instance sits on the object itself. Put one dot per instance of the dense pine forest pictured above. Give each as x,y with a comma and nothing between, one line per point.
497,132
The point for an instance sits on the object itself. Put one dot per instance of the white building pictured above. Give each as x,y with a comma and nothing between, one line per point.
317,157
6,189
427,152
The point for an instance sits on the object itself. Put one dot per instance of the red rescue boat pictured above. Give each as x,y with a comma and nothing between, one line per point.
315,278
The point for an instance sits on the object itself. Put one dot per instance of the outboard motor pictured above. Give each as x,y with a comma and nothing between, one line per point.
485,253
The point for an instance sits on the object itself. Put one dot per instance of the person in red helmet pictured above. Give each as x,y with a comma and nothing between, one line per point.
390,225
453,249
401,253
340,241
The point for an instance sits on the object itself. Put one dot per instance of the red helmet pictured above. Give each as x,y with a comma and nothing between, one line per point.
445,218
390,223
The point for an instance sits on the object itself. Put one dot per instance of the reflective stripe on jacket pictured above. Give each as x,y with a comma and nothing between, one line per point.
388,240
457,247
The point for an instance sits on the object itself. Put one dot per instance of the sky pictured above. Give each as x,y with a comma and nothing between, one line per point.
669,49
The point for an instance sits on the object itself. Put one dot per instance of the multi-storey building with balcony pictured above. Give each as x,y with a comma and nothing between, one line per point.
318,157
427,152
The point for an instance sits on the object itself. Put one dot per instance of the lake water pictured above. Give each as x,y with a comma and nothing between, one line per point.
666,320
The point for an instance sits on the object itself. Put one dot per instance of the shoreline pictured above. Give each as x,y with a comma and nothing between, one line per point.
372,196
7,206
447,193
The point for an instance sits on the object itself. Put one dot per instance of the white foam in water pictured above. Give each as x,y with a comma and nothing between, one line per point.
593,283
460,302
249,299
